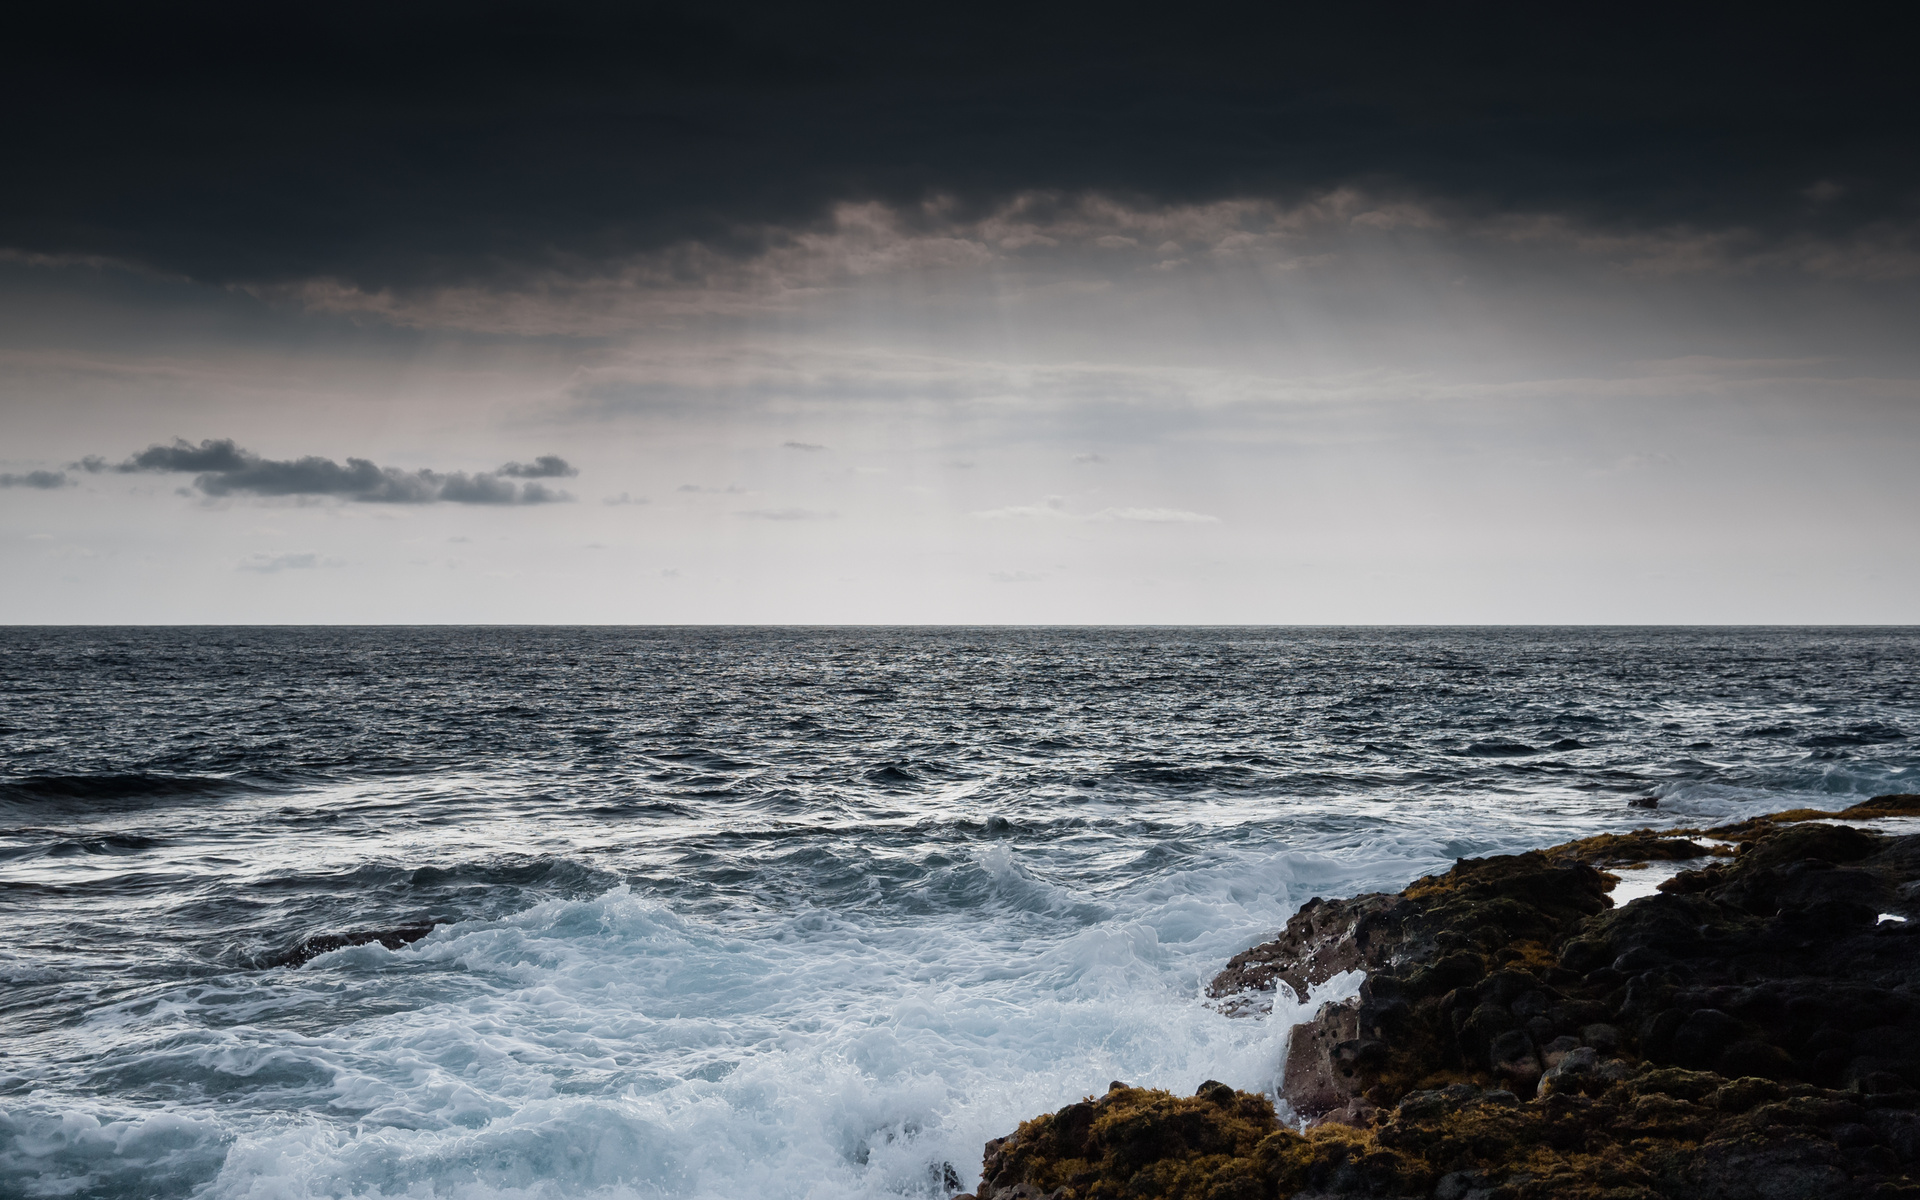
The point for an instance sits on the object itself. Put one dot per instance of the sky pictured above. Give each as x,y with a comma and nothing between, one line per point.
888,314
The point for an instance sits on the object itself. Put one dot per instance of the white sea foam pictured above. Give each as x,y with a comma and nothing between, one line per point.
612,1044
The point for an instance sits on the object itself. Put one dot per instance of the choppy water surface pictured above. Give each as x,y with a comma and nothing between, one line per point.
780,913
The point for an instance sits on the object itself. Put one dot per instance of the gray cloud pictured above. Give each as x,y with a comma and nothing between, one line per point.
268,564
225,469
1154,516
547,466
210,455
1055,508
787,514
802,446
36,479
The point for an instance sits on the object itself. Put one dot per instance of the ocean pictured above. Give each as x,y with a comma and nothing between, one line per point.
773,912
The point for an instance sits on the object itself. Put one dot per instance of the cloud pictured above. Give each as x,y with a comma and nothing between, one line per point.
1049,506
36,479
1154,516
624,498
787,514
742,131
1055,508
547,466
1015,576
732,489
744,128
210,455
1030,243
802,446
268,564
1090,457
225,469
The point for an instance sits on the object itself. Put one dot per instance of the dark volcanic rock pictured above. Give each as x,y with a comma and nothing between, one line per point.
326,943
1751,1031
1323,939
1773,964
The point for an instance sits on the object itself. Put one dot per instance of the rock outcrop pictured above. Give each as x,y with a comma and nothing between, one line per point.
310,948
1752,1030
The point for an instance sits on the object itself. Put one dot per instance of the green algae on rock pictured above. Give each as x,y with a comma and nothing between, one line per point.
1219,1144
1750,1031
1667,1132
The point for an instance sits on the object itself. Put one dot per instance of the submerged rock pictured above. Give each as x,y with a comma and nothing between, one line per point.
1752,1030
326,943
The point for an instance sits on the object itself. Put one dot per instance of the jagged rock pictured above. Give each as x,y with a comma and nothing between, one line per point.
1769,965
1322,940
325,943
1654,1134
1447,985
1752,1032
1323,1061
1138,1142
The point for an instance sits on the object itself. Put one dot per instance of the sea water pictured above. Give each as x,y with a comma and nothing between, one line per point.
771,912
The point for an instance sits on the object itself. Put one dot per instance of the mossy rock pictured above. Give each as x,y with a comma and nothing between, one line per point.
1663,1135
1749,1031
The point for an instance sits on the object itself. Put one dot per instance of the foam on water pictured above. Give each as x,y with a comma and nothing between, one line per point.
611,1043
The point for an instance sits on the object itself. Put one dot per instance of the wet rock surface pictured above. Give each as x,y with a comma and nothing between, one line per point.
1751,1030
326,943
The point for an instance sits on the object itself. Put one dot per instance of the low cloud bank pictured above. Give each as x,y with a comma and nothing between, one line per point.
225,469
36,479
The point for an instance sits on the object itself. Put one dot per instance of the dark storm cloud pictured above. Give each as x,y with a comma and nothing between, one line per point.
437,142
226,470
36,479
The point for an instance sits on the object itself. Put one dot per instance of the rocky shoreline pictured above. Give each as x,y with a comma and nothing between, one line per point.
1750,1030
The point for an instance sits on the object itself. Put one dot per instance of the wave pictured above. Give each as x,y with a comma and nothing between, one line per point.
117,843
115,790
1870,734
616,1047
1499,749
